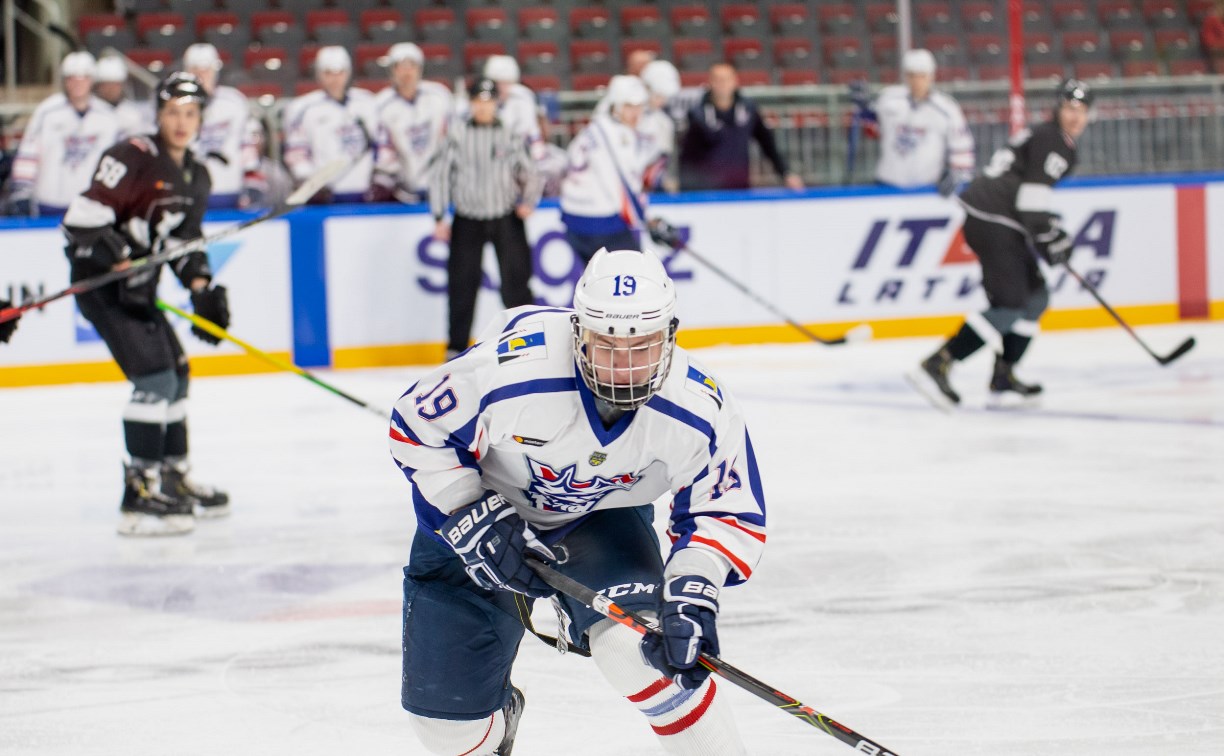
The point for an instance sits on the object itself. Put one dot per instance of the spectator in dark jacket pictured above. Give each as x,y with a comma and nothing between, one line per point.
715,150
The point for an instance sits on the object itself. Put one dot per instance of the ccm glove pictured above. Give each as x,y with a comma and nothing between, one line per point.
8,326
492,540
1055,246
689,611
210,303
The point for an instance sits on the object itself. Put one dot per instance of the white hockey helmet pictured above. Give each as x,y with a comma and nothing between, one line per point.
661,78
78,64
501,68
402,51
918,61
626,90
111,69
201,55
333,58
624,326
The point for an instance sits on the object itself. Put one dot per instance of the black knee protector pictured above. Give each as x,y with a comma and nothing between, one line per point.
156,387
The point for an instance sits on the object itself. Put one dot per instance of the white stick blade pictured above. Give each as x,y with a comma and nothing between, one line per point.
324,176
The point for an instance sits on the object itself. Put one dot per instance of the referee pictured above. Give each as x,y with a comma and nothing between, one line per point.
486,173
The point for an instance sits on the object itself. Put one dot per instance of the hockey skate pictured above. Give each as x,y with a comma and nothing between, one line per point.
146,511
206,501
931,380
513,712
1007,391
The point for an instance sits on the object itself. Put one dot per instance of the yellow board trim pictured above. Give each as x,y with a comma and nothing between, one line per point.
398,355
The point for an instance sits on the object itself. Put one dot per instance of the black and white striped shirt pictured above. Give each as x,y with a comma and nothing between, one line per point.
484,171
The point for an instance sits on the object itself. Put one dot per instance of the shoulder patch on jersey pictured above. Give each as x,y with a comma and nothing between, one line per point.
700,383
524,343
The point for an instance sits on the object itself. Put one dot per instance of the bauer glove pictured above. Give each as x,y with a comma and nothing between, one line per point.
210,303
687,625
492,540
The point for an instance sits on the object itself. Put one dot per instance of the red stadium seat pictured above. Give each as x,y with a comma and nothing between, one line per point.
882,17
304,87
478,19
476,53
848,75
371,84
215,20
370,59
436,25
539,22
693,55
740,18
694,78
690,20
630,46
590,22
383,25
884,49
268,59
1119,14
993,72
149,26
793,52
1147,69
588,82
153,58
541,83
590,56
106,23
790,19
262,89
837,18
306,58
983,16
844,51
745,53
642,21
755,77
538,57
1046,71
1094,70
1187,67
797,76
955,73
326,17
987,49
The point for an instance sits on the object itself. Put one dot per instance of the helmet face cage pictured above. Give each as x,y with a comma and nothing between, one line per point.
624,371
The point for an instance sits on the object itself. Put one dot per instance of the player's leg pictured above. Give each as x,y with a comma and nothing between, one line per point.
617,552
148,359
205,501
1018,296
513,260
463,279
459,643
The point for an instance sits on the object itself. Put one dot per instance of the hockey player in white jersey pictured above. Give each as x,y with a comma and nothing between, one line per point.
602,200
412,120
223,143
552,436
517,103
63,142
656,126
924,139
335,121
110,85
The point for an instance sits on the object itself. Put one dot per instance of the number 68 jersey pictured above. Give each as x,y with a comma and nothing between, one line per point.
512,415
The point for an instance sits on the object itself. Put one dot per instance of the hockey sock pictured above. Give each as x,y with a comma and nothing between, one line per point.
144,428
449,737
964,343
1014,346
687,722
176,431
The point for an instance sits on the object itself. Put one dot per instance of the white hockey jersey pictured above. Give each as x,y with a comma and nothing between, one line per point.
60,151
658,133
135,118
512,415
919,140
608,162
223,145
321,129
411,131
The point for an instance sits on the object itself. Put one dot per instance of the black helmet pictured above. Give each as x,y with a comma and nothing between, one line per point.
482,88
1075,89
181,86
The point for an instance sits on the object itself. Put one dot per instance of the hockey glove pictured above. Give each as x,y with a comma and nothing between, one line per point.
948,184
689,611
662,232
8,326
210,303
1055,246
491,539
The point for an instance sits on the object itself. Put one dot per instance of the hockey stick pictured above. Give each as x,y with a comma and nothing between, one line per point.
861,332
207,325
1184,347
636,622
301,196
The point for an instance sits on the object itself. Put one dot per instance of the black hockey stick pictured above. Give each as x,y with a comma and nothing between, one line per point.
301,196
861,332
608,608
1184,347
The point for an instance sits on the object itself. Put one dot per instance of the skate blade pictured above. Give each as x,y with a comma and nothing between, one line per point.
211,513
1010,401
142,525
922,383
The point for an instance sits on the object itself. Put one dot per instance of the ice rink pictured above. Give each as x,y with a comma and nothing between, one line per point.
1041,582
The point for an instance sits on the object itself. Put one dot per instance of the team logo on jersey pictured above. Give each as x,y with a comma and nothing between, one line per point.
704,385
521,344
558,490
597,458
77,148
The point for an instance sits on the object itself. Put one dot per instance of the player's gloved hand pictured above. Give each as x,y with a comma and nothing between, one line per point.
19,207
322,197
8,326
138,294
252,195
492,540
860,94
1055,246
687,621
663,232
210,303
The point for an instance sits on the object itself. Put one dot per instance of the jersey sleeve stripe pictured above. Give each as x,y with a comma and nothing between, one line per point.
530,313
754,479
539,386
733,523
740,565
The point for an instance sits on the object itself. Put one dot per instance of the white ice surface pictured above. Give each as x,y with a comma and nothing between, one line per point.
1040,582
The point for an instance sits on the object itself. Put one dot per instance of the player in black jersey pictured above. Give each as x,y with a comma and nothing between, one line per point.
1008,216
149,191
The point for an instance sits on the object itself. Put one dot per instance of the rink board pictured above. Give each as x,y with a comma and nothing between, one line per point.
361,286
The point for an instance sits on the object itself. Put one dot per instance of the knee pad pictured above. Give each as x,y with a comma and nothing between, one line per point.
451,737
157,387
